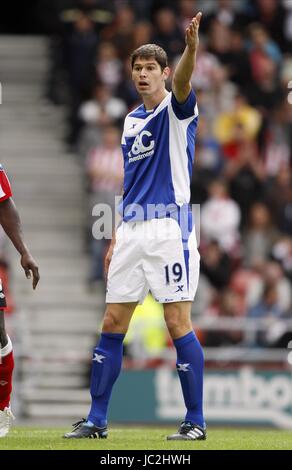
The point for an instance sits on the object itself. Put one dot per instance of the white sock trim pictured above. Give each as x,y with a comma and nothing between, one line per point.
7,349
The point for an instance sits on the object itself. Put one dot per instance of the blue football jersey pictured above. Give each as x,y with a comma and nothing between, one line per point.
158,148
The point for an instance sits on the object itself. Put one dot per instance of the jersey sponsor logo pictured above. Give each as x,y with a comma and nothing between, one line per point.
143,147
3,383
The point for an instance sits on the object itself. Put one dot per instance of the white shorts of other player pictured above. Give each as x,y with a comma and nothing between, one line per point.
151,255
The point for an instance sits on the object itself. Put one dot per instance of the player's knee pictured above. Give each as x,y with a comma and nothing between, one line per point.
112,323
177,323
175,327
109,323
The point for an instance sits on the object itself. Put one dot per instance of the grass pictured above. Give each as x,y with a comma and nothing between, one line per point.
134,438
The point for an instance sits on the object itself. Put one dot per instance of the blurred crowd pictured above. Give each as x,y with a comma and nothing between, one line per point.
242,176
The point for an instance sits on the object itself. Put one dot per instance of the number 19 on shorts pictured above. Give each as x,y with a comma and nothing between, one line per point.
173,273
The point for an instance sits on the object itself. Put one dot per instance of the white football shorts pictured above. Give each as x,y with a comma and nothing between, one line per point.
151,255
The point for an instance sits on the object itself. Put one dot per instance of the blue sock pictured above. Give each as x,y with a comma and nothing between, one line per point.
190,366
106,367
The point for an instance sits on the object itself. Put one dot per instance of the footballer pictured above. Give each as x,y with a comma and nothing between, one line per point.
158,145
10,221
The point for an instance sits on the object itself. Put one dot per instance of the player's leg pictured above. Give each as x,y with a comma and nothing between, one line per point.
6,370
190,366
172,270
106,367
107,359
126,286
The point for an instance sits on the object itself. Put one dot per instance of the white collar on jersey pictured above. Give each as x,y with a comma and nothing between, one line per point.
129,131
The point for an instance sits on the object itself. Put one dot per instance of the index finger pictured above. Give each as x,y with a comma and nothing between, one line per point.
198,17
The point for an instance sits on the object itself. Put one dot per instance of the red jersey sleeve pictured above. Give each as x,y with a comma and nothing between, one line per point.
5,188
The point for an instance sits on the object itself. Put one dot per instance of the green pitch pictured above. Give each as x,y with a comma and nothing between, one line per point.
131,438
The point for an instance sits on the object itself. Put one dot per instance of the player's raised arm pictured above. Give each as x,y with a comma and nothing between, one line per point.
181,82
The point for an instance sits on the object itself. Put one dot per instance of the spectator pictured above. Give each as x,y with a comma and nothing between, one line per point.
220,218
239,66
104,168
271,274
219,40
126,90
287,43
209,152
259,236
266,92
103,109
142,9
228,307
209,161
142,34
206,67
81,50
241,117
168,35
279,196
108,66
244,171
261,47
187,11
219,98
282,253
120,32
226,13
105,165
216,265
276,142
268,308
271,14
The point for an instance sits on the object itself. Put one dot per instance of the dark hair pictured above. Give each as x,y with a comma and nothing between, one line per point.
150,51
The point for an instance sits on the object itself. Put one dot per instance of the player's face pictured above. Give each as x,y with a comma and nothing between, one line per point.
148,76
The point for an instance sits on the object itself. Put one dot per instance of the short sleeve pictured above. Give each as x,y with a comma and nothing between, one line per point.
5,187
187,109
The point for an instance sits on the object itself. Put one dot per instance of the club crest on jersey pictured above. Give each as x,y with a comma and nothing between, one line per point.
143,147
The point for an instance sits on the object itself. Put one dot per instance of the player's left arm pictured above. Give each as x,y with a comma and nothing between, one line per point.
181,82
10,221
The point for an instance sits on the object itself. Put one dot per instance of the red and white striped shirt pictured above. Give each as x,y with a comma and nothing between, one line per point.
105,168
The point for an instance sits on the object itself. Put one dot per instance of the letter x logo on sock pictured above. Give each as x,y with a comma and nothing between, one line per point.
183,367
98,358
